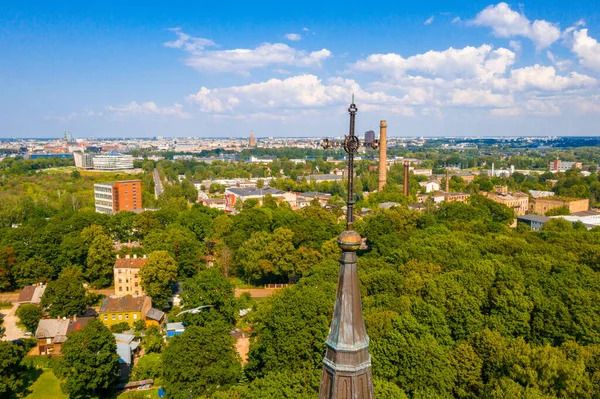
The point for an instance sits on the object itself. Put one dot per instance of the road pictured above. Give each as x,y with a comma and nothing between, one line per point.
157,184
10,323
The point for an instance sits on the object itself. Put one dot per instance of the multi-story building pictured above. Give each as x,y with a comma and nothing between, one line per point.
113,197
543,205
455,197
430,186
113,162
126,309
252,140
83,160
561,166
127,279
519,202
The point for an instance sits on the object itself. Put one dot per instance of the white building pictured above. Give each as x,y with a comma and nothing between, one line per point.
430,186
113,162
82,160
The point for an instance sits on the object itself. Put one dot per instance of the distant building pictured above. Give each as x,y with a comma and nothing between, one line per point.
543,205
235,194
113,197
562,166
322,178
261,160
422,172
215,203
430,186
369,137
519,202
252,140
540,194
536,222
84,160
126,272
388,205
113,162
128,309
31,294
456,197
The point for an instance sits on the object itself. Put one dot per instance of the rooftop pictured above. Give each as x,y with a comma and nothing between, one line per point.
52,328
130,263
127,303
254,192
534,218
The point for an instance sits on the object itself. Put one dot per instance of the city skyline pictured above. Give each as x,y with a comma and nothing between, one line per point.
217,71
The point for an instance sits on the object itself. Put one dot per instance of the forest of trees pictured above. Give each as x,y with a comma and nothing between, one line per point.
457,303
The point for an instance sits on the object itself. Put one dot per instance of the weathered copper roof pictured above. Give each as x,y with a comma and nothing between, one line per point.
123,304
130,263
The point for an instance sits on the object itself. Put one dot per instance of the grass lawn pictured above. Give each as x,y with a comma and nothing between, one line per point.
146,394
46,386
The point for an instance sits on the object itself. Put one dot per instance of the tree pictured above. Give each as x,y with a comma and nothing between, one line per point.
181,244
153,340
209,287
8,260
29,315
561,210
157,275
33,271
120,327
65,296
10,369
89,363
100,261
200,361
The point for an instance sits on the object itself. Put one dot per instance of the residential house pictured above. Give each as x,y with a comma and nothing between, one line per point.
128,348
214,203
126,275
155,317
52,333
129,309
31,294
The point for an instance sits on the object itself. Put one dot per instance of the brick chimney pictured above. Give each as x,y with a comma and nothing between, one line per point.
406,172
382,154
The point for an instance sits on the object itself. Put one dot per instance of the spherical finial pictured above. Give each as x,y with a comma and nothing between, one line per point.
349,240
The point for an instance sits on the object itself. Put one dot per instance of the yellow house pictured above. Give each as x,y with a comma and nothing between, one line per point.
129,309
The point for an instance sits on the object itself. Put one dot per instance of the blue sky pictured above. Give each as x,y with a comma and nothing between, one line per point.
212,69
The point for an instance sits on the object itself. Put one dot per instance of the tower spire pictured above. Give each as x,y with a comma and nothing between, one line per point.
347,362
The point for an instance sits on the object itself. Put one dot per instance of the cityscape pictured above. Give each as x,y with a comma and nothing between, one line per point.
412,212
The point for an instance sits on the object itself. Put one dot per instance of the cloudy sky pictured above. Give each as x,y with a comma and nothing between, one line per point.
212,69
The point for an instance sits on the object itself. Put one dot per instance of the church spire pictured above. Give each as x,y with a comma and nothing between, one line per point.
347,362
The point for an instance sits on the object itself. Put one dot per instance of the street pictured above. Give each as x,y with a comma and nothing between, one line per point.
10,323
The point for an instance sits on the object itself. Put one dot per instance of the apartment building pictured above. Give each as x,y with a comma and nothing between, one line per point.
519,202
112,162
113,197
126,275
561,166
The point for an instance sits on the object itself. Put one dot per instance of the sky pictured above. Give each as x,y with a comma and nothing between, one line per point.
225,68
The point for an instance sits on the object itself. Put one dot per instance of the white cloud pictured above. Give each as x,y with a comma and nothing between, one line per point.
456,20
73,115
481,62
508,23
293,37
561,65
544,78
480,98
148,108
515,45
277,96
429,20
505,112
243,60
305,29
189,43
587,49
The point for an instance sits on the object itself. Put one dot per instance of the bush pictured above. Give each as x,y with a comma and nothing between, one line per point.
29,316
120,327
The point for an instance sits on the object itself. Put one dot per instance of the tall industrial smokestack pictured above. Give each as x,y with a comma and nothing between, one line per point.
382,154
406,171
447,181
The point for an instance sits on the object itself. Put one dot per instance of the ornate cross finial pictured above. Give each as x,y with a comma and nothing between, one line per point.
351,145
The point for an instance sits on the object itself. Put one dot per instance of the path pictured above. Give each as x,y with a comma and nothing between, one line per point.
10,323
157,184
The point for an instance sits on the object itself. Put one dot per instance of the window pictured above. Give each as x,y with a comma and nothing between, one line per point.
134,316
120,288
48,340
114,317
105,317
127,288
136,283
120,280
126,317
120,317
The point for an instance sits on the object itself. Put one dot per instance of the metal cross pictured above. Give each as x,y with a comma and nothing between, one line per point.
351,145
